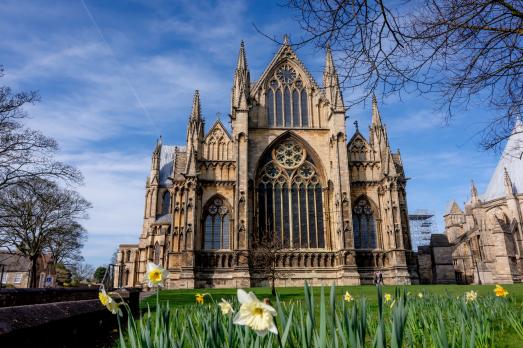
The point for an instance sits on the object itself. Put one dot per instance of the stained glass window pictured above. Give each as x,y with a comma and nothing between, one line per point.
364,225
289,198
286,100
166,201
217,226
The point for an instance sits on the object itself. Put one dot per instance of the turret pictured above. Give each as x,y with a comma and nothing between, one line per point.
454,220
195,132
155,163
474,197
507,182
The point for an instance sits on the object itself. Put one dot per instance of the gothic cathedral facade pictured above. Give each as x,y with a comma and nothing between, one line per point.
287,170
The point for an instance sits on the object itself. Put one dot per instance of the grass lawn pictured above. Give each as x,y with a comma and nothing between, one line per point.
185,297
444,303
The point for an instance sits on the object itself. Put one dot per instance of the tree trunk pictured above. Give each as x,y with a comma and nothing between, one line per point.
32,274
273,287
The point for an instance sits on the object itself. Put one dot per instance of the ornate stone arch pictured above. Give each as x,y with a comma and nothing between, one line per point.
290,185
216,224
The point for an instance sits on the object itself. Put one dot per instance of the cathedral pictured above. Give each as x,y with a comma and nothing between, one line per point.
286,170
487,237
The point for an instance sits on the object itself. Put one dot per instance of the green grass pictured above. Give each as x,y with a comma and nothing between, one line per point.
187,297
485,322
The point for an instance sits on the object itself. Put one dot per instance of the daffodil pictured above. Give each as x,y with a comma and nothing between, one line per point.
155,275
420,295
109,303
226,307
104,298
388,297
348,297
471,296
255,314
500,291
199,298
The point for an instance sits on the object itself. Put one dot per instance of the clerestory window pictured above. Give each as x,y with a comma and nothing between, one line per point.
287,100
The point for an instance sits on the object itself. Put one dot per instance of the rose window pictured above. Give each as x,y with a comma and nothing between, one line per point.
289,155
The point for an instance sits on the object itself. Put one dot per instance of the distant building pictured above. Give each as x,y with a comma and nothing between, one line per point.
422,226
487,236
15,270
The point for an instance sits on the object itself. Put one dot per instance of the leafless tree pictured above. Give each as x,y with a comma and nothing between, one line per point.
264,258
67,242
35,214
459,51
82,271
26,153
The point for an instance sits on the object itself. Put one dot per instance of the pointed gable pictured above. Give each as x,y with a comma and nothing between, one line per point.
511,160
358,148
453,209
217,144
285,55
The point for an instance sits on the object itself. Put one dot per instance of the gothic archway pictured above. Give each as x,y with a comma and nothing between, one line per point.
289,195
364,224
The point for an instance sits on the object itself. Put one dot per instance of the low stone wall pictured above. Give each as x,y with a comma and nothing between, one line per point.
83,323
22,297
75,323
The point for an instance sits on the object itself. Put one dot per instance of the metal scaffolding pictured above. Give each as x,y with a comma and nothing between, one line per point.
422,225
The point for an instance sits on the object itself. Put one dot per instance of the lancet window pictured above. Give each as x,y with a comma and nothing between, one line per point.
364,225
216,226
287,100
166,202
290,198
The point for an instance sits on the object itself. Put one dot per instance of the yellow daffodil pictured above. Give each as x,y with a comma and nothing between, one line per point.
255,314
388,297
104,298
500,291
348,297
420,295
155,275
109,303
226,307
199,298
471,296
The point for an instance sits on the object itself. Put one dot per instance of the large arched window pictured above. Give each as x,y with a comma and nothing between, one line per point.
166,201
290,198
287,100
364,225
216,226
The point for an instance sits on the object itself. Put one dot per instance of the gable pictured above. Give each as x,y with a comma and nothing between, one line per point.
285,56
358,148
217,144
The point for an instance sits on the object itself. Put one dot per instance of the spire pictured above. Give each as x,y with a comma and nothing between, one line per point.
286,40
331,83
241,82
473,193
509,189
376,118
196,108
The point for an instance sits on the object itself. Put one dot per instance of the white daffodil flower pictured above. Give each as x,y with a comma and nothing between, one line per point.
226,307
255,314
155,275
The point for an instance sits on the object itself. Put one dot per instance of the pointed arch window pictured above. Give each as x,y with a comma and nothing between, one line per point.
364,225
216,226
290,198
287,100
166,202
156,256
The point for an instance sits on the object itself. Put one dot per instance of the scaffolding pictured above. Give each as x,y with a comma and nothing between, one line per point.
422,226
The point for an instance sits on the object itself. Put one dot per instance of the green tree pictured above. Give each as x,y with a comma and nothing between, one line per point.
99,274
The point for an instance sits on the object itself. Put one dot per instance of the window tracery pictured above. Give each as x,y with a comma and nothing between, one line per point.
364,225
216,226
290,198
287,100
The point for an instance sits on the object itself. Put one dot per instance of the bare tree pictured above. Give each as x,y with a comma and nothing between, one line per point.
34,214
26,153
67,242
459,51
82,271
264,258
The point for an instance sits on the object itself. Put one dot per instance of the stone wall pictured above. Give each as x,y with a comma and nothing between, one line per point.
20,297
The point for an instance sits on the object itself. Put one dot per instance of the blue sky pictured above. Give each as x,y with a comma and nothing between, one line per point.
114,75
